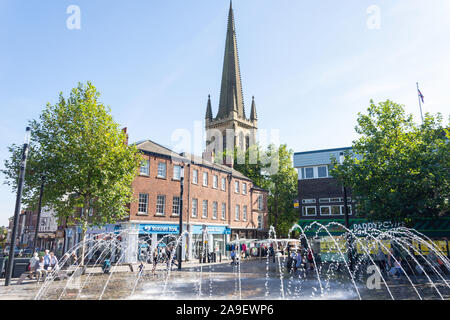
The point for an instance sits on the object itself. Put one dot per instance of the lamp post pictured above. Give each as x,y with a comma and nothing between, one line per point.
347,222
180,246
38,220
23,165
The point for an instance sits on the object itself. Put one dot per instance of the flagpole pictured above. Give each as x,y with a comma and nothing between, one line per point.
420,104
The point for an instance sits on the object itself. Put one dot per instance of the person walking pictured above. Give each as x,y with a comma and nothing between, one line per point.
155,260
233,257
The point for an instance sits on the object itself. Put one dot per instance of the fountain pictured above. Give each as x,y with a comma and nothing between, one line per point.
341,267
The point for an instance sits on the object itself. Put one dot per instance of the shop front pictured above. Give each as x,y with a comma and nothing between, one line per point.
161,235
214,237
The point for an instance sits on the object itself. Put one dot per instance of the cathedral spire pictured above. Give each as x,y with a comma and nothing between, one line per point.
208,109
253,115
231,97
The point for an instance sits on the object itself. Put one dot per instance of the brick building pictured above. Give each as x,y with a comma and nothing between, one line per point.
215,197
320,195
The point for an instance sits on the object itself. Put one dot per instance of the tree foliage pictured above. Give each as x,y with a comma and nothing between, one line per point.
87,163
273,170
402,169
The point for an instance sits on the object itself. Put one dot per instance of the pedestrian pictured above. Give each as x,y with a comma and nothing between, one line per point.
46,259
311,258
32,264
298,260
381,260
73,258
155,259
32,261
53,261
233,257
41,272
141,267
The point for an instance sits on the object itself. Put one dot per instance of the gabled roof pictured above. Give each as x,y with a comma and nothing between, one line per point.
151,147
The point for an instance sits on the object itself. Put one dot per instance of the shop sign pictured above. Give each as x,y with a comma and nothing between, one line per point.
158,228
210,229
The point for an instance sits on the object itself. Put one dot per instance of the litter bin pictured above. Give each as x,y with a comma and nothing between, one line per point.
19,266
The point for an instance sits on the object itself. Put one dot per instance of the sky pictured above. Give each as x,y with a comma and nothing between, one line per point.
311,65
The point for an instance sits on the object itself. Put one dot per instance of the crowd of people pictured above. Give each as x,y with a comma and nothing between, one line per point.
41,266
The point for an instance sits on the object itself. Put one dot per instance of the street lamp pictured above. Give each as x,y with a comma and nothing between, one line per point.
180,249
38,220
347,222
23,165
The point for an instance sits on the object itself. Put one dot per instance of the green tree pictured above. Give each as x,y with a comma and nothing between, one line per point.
402,169
273,170
282,186
89,166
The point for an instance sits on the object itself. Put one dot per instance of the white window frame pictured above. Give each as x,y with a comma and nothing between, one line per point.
215,181
205,181
194,209
244,213
224,211
224,184
329,210
205,209
176,172
349,210
141,205
215,208
244,188
237,213
260,221
175,205
147,168
159,170
260,202
305,213
236,187
195,176
158,204
308,201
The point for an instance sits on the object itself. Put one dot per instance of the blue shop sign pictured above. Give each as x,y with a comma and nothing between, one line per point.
210,229
159,228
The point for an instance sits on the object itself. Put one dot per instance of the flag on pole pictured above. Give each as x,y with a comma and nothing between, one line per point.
420,95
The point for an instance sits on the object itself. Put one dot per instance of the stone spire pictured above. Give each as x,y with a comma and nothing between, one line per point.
208,109
253,115
231,97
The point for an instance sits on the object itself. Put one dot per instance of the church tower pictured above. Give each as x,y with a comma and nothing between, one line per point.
230,128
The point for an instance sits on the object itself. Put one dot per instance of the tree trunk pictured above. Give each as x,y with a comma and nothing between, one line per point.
84,217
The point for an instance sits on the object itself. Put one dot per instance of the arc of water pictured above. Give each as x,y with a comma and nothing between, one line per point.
171,259
279,263
49,280
342,255
296,226
387,250
112,271
372,261
428,243
91,271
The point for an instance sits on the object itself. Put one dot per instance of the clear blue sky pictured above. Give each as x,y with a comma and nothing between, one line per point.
312,65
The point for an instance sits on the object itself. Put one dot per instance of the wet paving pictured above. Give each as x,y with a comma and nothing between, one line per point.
251,280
